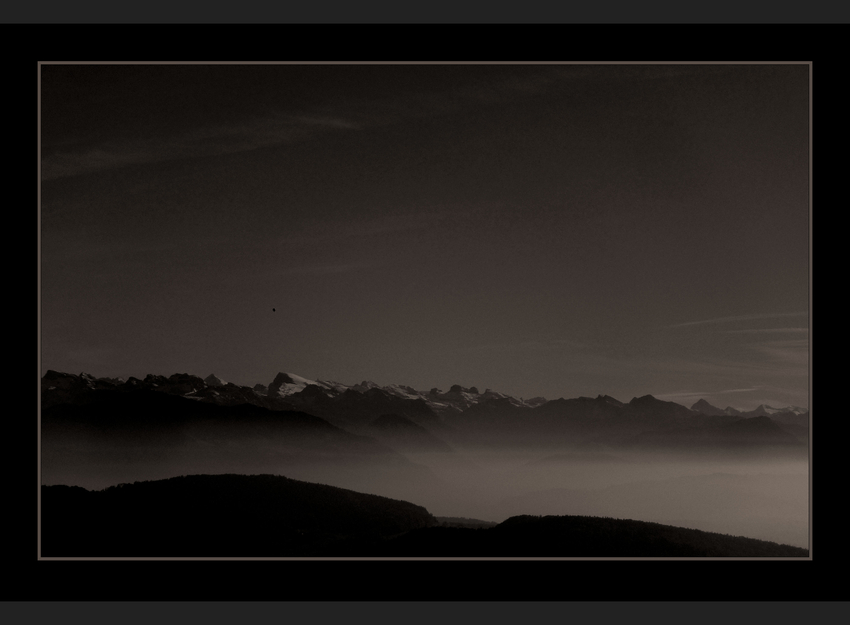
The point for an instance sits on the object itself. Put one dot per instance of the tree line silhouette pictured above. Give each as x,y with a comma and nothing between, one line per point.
268,515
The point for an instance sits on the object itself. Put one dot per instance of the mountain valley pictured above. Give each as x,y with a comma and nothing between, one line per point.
459,453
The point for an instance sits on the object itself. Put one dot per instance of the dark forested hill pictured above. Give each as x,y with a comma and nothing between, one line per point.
267,516
580,536
217,515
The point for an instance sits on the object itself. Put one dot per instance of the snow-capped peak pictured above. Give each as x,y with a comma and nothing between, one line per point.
405,392
457,399
772,410
214,380
288,383
334,386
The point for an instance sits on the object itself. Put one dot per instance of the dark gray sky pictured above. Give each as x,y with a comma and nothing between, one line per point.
541,230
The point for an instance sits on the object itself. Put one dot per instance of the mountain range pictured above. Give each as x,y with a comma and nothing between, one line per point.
455,452
763,410
463,415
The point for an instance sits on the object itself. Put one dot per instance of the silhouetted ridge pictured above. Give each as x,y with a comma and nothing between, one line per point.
463,416
115,412
213,380
394,422
356,409
752,432
610,400
218,515
580,536
405,435
595,536
705,408
281,378
268,515
648,403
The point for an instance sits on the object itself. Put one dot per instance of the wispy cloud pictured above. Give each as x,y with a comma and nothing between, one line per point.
742,398
338,231
769,331
504,84
521,346
740,318
790,353
249,134
698,394
328,269
286,127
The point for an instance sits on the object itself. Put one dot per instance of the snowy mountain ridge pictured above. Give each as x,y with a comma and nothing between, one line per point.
62,386
457,399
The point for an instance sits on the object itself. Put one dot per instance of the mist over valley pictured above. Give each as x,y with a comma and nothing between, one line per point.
462,453
568,303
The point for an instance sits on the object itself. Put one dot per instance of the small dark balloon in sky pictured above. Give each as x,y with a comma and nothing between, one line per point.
273,310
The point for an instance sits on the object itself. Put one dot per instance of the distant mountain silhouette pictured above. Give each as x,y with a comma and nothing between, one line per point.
63,388
120,435
213,380
456,452
464,416
800,432
267,515
704,407
783,416
496,419
405,435
581,420
581,410
353,409
551,424
604,424
656,411
792,415
150,416
764,410
754,432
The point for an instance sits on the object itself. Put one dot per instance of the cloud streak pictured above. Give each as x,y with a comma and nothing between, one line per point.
794,353
251,134
522,346
708,393
329,269
502,85
769,331
717,320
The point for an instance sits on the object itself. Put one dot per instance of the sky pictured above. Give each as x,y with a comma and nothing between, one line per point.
554,230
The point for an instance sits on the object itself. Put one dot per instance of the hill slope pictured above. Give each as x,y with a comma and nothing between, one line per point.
217,515
266,516
581,536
